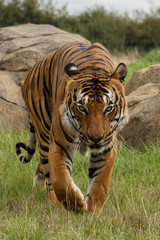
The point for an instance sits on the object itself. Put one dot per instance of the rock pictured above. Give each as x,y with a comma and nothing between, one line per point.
12,107
147,75
20,48
12,116
9,91
144,108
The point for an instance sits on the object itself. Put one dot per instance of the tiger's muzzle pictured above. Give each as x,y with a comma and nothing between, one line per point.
96,142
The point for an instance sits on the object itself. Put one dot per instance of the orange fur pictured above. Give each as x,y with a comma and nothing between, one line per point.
84,103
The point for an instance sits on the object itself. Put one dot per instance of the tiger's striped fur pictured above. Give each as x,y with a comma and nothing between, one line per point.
75,99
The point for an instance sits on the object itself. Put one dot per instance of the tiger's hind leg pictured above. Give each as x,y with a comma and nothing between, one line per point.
42,176
39,177
51,193
42,173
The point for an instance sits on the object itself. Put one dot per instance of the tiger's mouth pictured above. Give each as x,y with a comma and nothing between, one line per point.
97,146
92,145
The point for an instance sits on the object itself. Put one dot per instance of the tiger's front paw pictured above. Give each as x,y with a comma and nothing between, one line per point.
93,204
74,203
75,200
71,197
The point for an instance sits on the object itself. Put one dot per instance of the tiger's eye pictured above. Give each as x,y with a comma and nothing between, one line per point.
82,109
108,109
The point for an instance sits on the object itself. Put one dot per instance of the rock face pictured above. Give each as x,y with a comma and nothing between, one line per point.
20,48
147,75
144,107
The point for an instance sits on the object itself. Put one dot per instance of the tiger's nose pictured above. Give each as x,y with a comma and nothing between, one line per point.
96,138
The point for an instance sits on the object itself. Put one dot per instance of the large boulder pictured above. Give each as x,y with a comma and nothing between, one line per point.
143,98
20,48
146,75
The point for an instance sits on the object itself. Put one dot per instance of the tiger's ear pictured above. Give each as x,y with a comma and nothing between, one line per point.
71,70
120,72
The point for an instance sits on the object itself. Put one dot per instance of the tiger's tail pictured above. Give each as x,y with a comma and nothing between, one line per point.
30,149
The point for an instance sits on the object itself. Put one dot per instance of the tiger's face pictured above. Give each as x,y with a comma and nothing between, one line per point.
95,107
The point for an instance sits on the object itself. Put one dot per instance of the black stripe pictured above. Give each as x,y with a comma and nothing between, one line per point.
44,137
101,153
76,48
44,78
101,48
64,150
95,175
40,171
48,184
47,104
42,115
26,160
39,71
46,149
74,95
116,100
21,144
69,99
83,63
86,89
34,108
104,90
93,170
33,83
68,50
109,139
44,161
47,175
71,119
49,75
96,161
57,78
68,169
31,128
43,156
30,151
46,92
21,158
69,139
18,152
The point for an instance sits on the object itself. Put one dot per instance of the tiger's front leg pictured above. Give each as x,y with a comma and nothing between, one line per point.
100,172
65,189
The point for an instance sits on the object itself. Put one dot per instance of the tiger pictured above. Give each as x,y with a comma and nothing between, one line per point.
75,99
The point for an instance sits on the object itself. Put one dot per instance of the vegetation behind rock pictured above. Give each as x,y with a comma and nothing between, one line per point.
113,30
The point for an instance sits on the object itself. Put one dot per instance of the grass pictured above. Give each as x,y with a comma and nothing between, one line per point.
131,211
149,59
135,61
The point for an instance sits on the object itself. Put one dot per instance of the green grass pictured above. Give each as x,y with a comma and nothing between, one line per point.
151,58
131,211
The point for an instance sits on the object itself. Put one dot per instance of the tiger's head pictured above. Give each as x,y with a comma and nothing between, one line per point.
94,106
